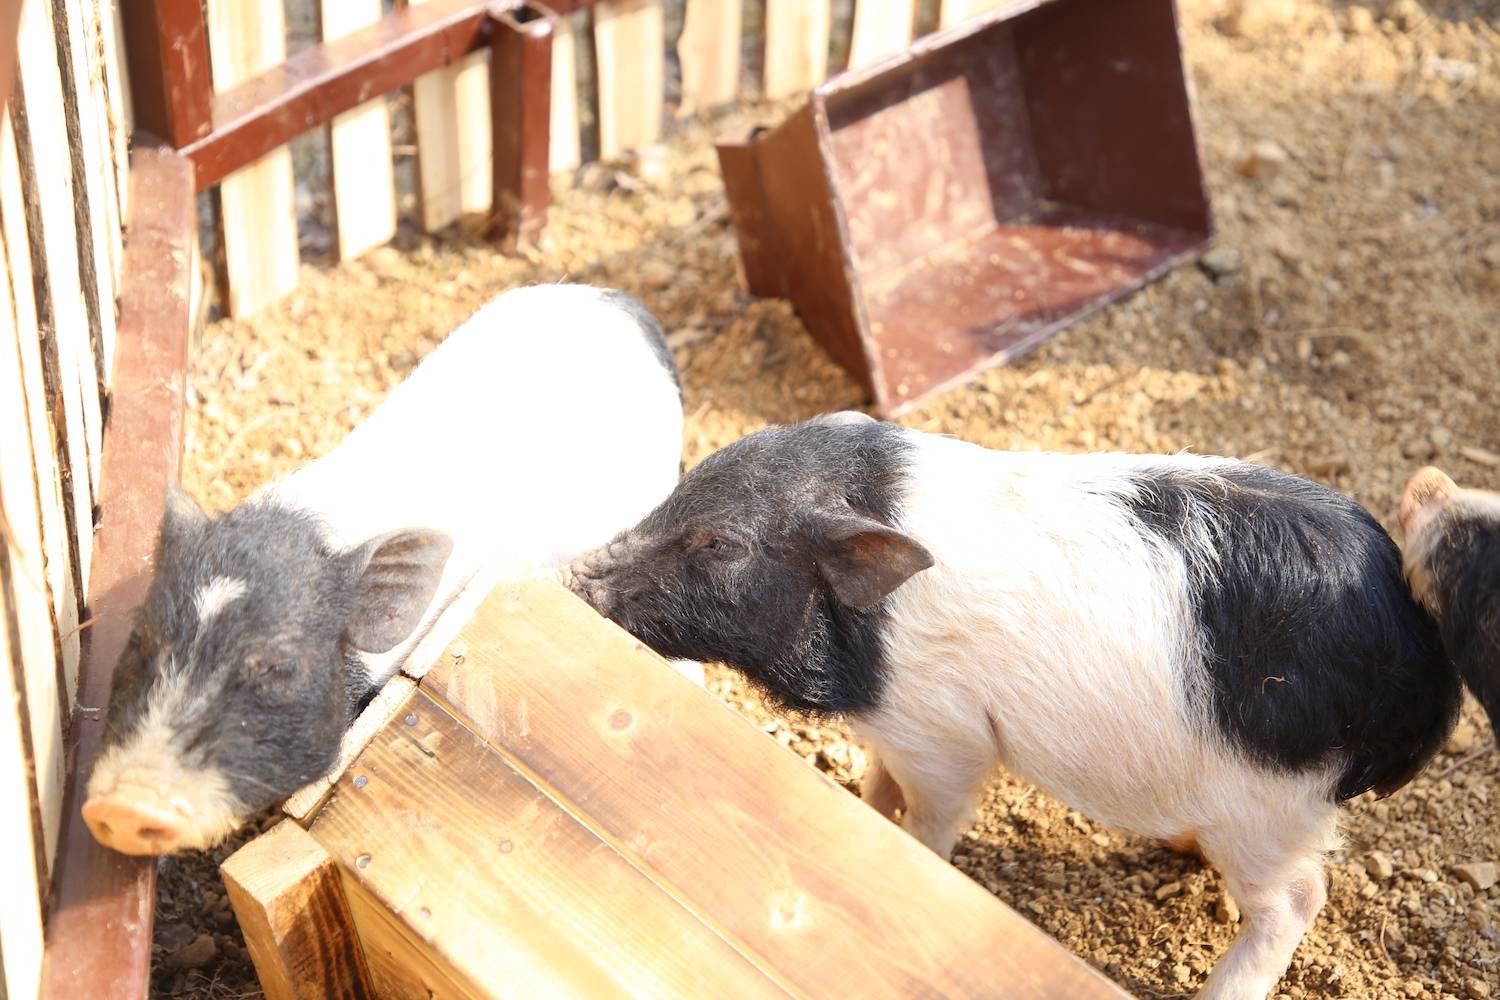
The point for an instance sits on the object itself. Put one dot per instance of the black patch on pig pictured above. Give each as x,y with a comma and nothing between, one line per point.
650,330
1464,563
271,689
726,569
1316,650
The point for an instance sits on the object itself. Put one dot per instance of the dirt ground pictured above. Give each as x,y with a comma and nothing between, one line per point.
1348,329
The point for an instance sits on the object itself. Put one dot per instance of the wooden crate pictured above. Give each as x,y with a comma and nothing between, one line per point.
553,811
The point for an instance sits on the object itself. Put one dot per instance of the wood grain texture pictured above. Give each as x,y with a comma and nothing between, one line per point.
99,927
117,87
798,872
257,203
506,892
46,178
629,46
33,662
564,138
452,109
953,11
381,709
63,588
21,916
289,899
362,172
709,51
880,28
796,45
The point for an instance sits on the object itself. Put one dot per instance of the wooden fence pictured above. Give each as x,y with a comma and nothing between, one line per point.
63,193
622,105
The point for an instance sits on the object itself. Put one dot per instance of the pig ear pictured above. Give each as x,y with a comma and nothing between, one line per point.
398,574
1426,493
181,518
844,418
864,560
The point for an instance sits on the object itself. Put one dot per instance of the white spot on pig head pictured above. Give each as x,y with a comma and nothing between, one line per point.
774,556
243,670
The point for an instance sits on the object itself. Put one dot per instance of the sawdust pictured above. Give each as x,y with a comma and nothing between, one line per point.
1353,338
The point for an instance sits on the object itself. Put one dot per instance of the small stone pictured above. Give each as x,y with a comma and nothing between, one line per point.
1441,437
1462,739
1358,20
657,272
1221,262
1100,839
1169,890
652,163
1426,875
1479,456
195,955
1419,449
1181,973
1479,874
1227,911
1266,159
1477,989
1379,865
1406,14
1491,256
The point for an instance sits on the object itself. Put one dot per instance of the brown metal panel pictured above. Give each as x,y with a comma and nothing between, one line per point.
99,930
521,119
324,80
739,164
167,51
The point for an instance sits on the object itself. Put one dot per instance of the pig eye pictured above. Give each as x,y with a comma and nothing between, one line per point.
722,548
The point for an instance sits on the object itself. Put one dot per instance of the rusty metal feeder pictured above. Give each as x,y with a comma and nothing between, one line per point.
952,206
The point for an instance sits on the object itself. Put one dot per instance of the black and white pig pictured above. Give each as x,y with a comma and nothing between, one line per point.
1452,559
537,430
1185,647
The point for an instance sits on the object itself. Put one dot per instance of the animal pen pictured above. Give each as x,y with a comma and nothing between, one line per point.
558,848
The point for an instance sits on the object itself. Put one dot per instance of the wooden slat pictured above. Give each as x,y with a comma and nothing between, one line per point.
287,894
796,45
95,207
498,883
258,209
565,153
63,586
35,652
954,11
381,709
709,51
117,83
99,928
21,916
364,182
452,109
786,863
46,178
880,28
629,47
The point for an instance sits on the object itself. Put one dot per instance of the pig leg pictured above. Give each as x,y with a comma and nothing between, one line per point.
941,787
879,789
1280,898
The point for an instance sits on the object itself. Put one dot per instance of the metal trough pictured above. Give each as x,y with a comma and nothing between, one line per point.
947,209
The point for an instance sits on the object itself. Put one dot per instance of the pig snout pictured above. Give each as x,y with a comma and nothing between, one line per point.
590,576
135,820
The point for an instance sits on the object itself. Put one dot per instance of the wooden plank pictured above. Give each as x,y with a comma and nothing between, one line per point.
257,203
709,51
381,709
954,11
880,28
497,882
452,109
520,119
117,83
564,139
288,897
21,916
363,178
47,182
796,45
95,212
841,902
99,928
166,44
10,25
63,587
629,47
400,963
35,648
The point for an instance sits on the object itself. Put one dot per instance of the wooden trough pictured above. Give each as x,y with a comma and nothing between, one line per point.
552,811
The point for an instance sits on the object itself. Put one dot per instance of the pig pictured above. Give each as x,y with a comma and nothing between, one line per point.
1452,561
1191,648
538,429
